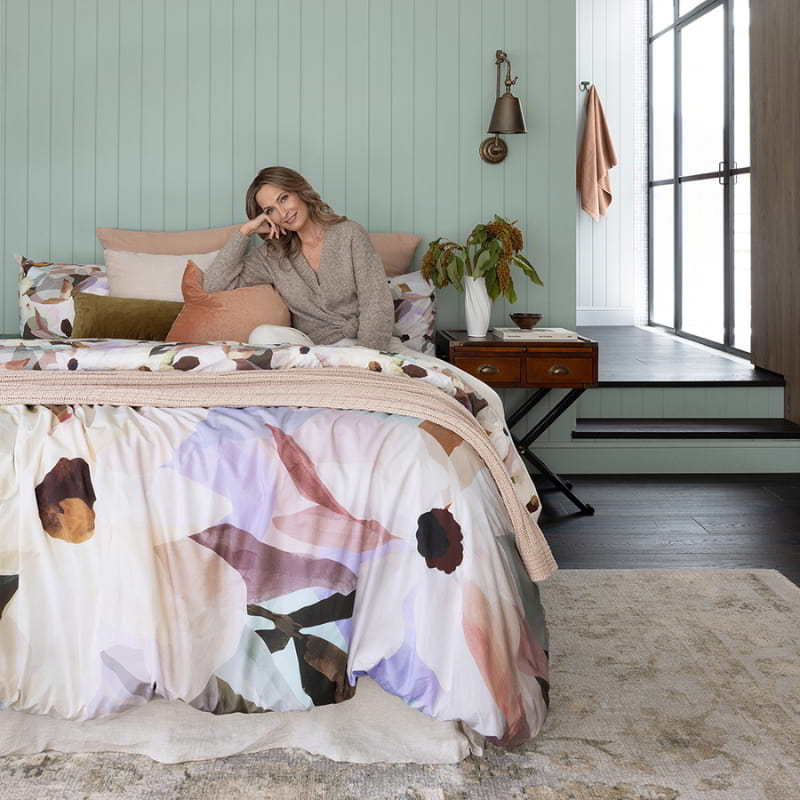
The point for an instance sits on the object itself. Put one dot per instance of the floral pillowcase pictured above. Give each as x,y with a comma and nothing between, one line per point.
414,311
46,308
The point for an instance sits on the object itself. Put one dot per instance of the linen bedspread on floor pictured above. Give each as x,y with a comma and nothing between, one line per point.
245,559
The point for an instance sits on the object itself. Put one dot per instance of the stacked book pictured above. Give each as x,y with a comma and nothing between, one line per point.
536,334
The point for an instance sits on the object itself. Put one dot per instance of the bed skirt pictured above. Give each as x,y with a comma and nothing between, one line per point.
373,726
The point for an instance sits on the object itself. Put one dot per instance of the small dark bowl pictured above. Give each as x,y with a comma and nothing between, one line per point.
526,321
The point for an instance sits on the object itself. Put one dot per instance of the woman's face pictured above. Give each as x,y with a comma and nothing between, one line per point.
281,207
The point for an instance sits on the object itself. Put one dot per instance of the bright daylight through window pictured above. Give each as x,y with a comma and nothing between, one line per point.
700,170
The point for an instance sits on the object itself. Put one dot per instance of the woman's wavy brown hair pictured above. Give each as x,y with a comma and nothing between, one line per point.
290,181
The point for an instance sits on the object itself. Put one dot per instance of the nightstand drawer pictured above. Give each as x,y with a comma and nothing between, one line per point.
491,368
556,368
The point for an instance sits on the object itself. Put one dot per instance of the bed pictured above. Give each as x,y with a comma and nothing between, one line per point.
240,528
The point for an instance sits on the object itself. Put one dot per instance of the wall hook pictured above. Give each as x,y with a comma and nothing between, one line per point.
585,85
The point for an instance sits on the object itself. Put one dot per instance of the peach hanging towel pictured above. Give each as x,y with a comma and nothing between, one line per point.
596,157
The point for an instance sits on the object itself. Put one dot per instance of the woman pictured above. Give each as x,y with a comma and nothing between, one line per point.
323,265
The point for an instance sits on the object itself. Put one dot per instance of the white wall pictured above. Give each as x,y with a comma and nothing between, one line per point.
611,253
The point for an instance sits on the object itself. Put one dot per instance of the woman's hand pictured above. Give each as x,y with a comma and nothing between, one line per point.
262,224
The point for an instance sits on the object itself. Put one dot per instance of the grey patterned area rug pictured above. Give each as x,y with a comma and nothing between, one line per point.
666,684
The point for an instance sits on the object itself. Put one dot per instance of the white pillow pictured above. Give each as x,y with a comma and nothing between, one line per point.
150,276
277,334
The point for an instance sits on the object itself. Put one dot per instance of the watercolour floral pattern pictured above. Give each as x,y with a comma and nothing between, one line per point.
258,558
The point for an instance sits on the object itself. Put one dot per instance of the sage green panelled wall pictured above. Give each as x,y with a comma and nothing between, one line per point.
156,114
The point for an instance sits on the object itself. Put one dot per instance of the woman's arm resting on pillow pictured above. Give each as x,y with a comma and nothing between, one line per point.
235,267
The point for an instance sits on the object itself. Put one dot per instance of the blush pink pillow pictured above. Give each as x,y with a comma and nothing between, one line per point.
396,251
165,242
224,316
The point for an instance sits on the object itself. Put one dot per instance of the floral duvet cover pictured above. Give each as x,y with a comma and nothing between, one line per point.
259,558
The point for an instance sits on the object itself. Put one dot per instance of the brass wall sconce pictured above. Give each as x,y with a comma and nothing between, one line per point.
507,116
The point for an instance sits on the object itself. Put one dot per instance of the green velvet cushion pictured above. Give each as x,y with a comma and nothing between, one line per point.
98,317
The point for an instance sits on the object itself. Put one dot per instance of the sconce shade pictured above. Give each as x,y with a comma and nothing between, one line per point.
507,116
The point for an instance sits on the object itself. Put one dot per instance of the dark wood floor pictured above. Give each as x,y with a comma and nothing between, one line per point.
669,521
633,356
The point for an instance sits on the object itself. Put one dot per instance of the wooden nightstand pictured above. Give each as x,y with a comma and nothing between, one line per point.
540,366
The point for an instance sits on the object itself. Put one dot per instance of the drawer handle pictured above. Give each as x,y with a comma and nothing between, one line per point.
558,369
488,369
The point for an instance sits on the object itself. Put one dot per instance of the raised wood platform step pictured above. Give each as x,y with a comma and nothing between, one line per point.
610,428
630,356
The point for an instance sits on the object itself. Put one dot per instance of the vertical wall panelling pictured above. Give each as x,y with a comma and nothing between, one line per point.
514,189
716,401
607,256
129,165
312,106
475,57
266,60
561,194
630,403
653,402
252,66
176,115
532,211
612,80
381,140
357,110
156,114
154,46
676,402
107,115
425,138
536,92
198,134
448,136
16,145
289,77
40,65
334,99
222,58
585,61
632,196
493,175
62,129
3,117
602,271
401,93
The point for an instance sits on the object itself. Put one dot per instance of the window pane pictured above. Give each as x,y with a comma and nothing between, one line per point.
703,258
662,67
741,82
703,93
663,233
686,6
662,15
741,262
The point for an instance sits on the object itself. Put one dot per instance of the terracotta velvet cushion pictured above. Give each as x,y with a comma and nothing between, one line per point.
99,317
224,316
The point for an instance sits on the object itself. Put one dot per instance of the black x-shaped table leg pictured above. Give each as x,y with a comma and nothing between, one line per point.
522,443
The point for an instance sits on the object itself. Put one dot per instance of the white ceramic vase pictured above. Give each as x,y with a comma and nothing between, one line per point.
478,307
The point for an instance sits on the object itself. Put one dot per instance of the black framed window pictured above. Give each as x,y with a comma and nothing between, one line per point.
699,170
